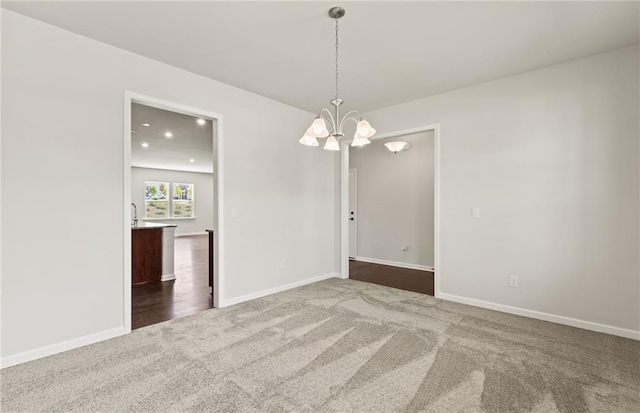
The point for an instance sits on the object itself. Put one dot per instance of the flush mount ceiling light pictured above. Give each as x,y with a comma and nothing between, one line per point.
201,122
168,134
146,124
395,146
319,128
192,160
144,144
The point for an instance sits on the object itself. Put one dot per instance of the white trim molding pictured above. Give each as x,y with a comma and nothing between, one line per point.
167,277
218,224
344,199
395,264
344,210
263,293
191,234
52,349
168,218
538,315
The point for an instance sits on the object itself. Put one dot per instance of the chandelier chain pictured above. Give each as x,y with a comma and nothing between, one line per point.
337,84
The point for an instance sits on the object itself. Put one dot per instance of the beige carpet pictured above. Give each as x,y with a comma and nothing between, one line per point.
338,346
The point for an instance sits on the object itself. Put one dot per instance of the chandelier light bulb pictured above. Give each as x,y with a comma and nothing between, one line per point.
332,144
358,141
319,128
364,129
308,140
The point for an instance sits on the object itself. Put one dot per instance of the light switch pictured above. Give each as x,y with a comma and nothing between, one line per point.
475,212
234,212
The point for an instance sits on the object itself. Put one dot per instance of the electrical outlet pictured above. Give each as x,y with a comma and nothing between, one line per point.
234,212
513,281
405,248
475,213
283,265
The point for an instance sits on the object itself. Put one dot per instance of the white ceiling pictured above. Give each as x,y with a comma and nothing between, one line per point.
189,141
391,52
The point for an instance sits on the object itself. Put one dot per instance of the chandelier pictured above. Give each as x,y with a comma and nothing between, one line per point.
333,132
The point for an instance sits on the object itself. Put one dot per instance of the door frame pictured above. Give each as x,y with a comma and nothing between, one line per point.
355,208
218,193
344,199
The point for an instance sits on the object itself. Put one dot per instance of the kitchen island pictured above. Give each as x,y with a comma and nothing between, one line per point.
152,252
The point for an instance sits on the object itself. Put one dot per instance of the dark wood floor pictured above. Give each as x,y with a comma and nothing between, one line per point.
402,278
188,294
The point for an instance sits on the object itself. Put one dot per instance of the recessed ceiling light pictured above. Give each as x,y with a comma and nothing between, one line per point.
192,160
168,134
201,122
144,144
146,124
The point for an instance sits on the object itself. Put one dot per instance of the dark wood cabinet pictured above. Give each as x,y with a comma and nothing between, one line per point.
146,255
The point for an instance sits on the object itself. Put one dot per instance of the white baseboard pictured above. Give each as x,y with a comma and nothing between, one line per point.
59,347
105,335
573,322
167,277
395,264
253,296
190,234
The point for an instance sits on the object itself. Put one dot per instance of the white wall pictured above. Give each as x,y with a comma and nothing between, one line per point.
551,159
203,199
62,183
395,200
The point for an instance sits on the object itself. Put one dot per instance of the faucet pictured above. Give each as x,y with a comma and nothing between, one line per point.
134,221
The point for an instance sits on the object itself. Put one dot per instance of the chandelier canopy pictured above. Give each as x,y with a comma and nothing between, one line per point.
333,133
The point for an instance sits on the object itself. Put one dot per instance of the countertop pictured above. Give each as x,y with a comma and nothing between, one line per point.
151,225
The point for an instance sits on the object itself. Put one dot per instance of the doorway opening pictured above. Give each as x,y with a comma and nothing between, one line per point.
390,210
172,211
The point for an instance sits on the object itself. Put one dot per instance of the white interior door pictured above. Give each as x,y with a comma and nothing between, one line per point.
353,206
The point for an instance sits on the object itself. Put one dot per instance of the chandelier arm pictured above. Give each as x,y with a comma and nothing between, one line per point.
331,120
347,117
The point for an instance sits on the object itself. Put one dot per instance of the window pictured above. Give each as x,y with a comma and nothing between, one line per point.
156,199
183,200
